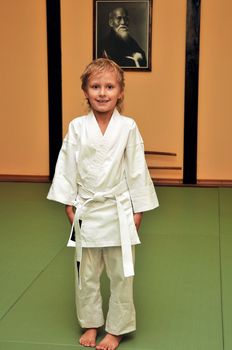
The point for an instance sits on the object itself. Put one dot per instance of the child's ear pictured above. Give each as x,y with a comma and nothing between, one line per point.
85,93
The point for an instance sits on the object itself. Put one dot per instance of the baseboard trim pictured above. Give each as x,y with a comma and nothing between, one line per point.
23,178
158,182
214,183
200,183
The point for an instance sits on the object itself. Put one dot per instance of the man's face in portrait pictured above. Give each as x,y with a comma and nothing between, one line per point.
119,21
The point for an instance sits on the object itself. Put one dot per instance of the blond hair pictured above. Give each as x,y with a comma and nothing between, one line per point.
102,65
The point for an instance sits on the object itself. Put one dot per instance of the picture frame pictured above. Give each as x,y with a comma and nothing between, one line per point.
122,31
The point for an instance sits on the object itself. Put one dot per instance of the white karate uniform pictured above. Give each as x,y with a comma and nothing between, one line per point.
106,178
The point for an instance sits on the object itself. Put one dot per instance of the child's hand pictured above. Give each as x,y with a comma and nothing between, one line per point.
70,213
137,219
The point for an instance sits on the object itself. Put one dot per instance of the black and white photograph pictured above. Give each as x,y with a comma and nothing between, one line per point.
122,32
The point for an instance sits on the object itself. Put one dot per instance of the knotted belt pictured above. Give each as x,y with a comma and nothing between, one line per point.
90,196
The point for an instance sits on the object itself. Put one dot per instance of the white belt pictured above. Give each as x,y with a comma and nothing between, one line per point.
114,193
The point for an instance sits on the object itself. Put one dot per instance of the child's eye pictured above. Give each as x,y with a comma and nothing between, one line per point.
110,87
94,86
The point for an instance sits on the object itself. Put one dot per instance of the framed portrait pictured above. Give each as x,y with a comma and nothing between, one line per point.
122,32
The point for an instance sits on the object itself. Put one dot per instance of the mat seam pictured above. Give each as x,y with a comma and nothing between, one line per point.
30,284
37,343
220,266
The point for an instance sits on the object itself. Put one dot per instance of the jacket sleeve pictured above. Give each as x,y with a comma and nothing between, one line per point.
141,188
64,186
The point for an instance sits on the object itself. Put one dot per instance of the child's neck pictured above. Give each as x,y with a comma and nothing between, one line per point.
103,120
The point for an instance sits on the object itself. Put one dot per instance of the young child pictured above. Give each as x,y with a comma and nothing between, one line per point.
102,178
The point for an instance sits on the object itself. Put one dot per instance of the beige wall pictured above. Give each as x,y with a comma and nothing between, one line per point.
215,99
154,99
23,96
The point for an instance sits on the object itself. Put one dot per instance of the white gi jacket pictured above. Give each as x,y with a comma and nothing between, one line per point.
106,178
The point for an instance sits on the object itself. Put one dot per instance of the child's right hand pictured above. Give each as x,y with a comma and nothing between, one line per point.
69,209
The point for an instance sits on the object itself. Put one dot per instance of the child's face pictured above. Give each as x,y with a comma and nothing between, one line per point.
103,91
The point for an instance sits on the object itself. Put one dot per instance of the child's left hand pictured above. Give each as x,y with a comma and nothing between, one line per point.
137,219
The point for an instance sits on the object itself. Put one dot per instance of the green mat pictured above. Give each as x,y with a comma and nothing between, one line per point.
182,285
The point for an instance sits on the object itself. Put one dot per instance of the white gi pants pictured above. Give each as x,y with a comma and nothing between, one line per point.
121,314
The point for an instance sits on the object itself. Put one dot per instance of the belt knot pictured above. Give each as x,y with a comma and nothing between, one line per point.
99,197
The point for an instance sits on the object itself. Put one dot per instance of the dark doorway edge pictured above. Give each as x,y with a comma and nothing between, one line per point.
54,81
191,91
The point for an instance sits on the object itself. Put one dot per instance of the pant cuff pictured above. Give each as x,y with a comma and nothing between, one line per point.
116,332
91,325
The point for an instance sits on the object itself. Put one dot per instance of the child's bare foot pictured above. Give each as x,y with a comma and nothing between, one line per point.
110,342
89,338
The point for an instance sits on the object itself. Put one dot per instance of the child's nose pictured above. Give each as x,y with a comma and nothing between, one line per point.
102,91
